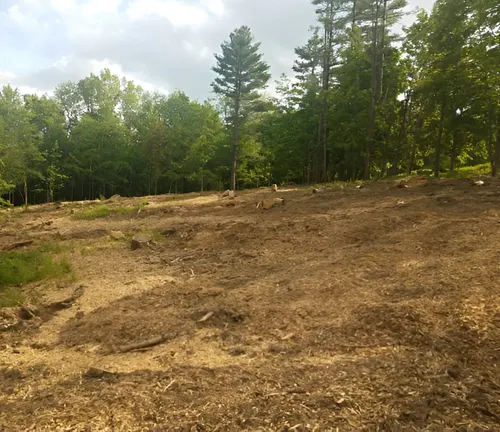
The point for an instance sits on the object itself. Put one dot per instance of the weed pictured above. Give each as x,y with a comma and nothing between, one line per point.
102,211
93,212
11,297
53,248
19,268
5,203
470,171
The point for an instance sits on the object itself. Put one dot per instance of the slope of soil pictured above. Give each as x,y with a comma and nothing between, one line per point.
371,309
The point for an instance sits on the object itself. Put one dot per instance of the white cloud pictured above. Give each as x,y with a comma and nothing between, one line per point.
160,44
63,6
62,63
15,14
6,76
10,78
216,7
178,13
100,7
205,52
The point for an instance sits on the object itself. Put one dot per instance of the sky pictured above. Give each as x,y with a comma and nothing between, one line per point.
162,45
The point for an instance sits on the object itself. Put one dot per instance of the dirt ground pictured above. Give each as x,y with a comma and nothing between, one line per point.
351,309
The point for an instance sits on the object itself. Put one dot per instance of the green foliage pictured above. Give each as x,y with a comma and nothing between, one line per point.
5,203
93,212
19,268
11,297
363,102
52,248
470,171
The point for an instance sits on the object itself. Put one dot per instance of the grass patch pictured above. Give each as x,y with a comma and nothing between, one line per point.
53,248
20,268
102,211
11,297
470,172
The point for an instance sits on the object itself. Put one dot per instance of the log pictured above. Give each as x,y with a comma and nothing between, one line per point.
146,344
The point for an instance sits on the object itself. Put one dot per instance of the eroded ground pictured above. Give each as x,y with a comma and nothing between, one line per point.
371,309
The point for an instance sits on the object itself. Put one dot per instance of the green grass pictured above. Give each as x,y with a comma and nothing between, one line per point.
10,297
470,171
102,211
53,248
20,268
467,172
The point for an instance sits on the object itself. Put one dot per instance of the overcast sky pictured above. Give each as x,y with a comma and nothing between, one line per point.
161,44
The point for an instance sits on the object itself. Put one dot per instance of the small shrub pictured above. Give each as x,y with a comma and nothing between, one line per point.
53,248
125,210
470,171
19,268
5,203
93,212
102,211
11,297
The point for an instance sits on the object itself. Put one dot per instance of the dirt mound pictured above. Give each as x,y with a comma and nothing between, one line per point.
393,323
171,310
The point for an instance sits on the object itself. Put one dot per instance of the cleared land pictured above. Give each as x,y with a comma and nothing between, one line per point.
357,309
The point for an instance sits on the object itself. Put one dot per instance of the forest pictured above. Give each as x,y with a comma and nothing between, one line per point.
365,100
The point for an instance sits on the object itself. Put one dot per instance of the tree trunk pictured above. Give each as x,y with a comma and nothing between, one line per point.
416,141
373,99
491,152
437,162
325,86
403,135
26,192
454,150
496,160
236,144
382,56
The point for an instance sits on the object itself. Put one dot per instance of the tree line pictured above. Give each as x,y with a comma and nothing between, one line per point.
364,101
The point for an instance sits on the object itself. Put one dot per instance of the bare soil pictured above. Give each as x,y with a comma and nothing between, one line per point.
351,309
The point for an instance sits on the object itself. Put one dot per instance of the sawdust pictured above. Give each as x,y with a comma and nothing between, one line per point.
341,309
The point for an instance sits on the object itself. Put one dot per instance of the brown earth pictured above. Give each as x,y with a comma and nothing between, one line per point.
350,309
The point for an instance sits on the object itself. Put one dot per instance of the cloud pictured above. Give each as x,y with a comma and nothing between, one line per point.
162,44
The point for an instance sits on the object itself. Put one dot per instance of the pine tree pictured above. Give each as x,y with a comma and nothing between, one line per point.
242,72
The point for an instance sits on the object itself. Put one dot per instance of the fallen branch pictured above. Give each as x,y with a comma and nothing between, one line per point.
206,317
146,344
170,385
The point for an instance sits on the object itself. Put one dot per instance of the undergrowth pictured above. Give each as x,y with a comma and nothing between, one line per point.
469,172
102,211
5,203
19,268
10,297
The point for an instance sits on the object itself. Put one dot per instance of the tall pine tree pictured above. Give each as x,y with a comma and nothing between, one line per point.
242,72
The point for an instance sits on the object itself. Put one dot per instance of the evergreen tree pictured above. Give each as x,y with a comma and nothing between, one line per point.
242,72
